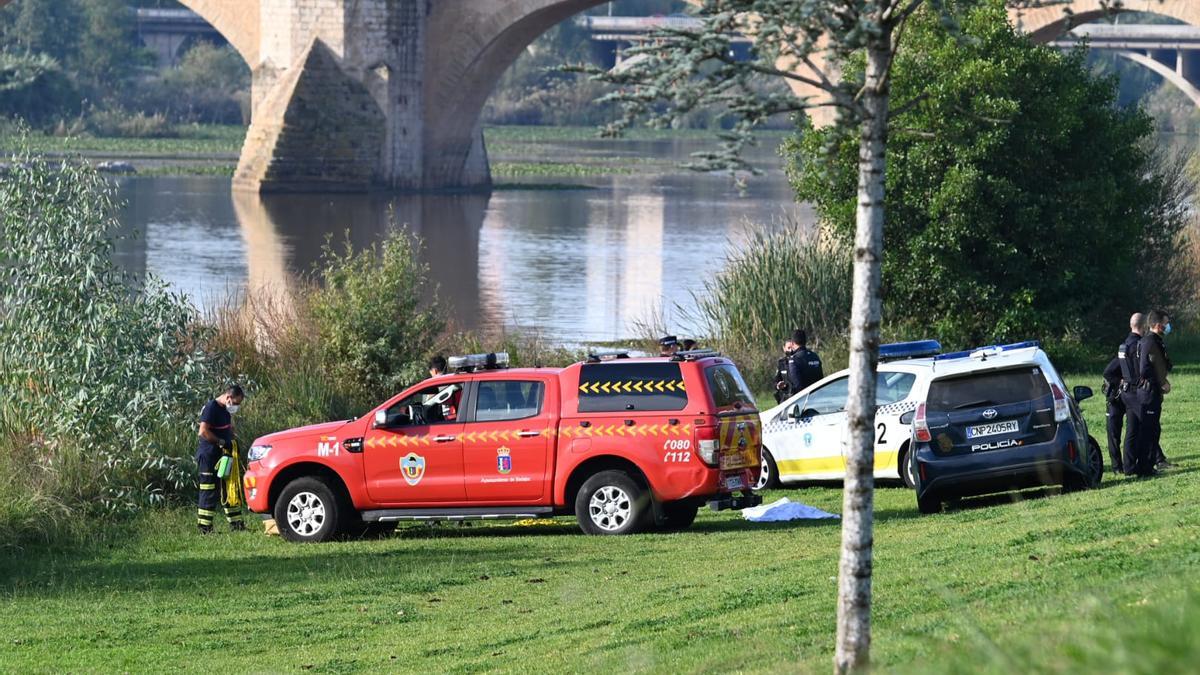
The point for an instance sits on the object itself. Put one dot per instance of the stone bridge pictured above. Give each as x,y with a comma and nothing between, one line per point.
351,95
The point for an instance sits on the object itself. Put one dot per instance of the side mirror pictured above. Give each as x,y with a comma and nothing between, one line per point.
794,412
1082,393
381,418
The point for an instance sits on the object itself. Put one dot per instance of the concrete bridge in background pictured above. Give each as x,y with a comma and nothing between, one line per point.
1173,51
350,95
167,32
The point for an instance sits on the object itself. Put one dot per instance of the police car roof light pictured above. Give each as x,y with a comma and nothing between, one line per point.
473,362
909,350
988,350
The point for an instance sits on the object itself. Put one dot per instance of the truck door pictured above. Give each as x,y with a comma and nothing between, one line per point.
417,456
507,442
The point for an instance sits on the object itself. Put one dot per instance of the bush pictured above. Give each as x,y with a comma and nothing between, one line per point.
375,330
101,379
782,279
33,87
118,123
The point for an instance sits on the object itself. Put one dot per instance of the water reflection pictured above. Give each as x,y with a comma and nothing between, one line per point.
572,264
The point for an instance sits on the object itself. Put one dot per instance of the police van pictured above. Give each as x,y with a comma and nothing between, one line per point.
805,437
995,419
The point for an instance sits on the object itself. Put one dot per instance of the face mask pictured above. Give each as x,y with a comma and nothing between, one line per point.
1167,329
232,408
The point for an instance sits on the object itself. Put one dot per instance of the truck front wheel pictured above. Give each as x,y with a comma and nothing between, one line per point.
611,502
308,510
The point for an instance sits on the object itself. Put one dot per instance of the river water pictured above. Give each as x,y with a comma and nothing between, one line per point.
572,265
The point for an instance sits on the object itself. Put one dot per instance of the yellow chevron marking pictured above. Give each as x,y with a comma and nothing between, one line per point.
605,387
586,388
504,435
682,386
687,428
637,386
658,386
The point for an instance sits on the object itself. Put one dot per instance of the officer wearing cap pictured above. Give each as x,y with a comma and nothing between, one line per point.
1153,367
668,345
798,368
1115,386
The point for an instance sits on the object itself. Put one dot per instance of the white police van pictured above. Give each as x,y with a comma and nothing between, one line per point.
805,437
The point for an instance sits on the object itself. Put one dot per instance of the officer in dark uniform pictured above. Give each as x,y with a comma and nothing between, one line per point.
1115,385
798,368
216,439
1153,368
668,345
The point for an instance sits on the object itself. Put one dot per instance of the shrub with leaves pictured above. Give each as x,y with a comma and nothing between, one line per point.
375,329
99,375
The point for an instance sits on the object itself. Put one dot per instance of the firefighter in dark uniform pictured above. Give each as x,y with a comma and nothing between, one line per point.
1153,367
798,368
216,439
1115,385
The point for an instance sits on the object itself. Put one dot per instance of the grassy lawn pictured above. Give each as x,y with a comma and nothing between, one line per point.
1104,580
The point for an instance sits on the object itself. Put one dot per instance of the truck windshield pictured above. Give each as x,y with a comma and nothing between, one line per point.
728,389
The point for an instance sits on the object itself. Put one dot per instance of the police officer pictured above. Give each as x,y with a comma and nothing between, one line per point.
1153,367
1115,384
216,439
798,368
668,345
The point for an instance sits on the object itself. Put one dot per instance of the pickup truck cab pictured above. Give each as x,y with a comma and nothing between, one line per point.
623,444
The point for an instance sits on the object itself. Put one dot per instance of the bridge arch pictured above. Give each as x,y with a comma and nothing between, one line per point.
237,20
1044,24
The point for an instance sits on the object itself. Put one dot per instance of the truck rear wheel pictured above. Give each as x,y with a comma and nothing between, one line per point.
611,502
308,510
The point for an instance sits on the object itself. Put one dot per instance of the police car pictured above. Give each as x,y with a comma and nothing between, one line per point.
999,418
805,437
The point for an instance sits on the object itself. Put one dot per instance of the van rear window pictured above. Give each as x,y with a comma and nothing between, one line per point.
614,387
729,390
976,390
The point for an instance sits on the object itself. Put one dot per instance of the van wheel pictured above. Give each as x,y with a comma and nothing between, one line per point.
929,504
768,475
611,502
677,516
1092,473
907,466
1097,463
308,511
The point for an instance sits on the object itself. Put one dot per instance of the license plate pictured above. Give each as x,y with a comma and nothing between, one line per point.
734,483
993,428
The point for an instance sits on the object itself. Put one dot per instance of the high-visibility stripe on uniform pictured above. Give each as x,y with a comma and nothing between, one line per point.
208,486
206,512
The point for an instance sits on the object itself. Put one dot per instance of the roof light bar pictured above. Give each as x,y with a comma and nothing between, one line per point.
989,350
607,355
909,350
693,354
472,362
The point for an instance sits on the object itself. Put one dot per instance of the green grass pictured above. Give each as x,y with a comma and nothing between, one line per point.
1019,583
555,169
191,140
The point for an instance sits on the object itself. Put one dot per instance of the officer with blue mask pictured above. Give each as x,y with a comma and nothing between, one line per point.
1153,368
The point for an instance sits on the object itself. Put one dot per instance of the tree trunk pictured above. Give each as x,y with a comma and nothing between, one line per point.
854,583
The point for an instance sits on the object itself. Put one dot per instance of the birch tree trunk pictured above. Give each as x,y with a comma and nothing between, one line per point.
854,574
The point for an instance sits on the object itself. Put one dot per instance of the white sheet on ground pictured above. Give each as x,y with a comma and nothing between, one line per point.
784,509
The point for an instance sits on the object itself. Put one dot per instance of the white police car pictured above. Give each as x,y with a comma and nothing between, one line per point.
805,437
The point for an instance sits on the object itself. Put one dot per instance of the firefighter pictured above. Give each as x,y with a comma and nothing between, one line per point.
437,366
216,440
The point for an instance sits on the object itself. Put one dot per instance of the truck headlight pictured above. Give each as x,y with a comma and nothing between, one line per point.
258,452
